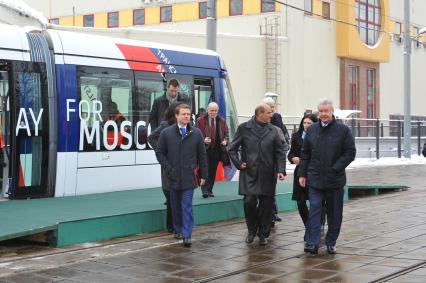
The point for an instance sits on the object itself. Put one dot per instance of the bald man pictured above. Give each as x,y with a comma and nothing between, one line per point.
261,162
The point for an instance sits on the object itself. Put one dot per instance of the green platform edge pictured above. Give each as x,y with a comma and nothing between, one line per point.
75,220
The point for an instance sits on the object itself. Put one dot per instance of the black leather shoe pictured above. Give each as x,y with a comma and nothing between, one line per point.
263,241
205,195
331,250
306,248
313,250
211,195
250,238
178,236
187,242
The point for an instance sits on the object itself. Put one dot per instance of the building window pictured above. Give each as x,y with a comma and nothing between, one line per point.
353,80
113,19
268,6
166,14
416,31
54,21
308,7
326,10
367,17
371,85
202,10
235,7
398,28
89,21
138,17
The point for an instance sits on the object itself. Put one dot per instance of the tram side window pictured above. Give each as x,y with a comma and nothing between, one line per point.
106,105
30,140
149,86
230,108
203,94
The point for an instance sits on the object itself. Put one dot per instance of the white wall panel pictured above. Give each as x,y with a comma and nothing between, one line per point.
106,158
109,179
146,157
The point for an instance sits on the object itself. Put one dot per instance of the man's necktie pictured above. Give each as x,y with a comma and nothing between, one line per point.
212,132
182,132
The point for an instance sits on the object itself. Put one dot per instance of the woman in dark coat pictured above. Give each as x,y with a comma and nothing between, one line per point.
300,194
153,141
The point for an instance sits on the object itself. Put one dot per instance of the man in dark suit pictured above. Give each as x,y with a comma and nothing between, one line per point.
261,163
161,103
180,150
215,133
328,148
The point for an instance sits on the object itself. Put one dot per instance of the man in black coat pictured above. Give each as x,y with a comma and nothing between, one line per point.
161,103
262,161
328,148
180,150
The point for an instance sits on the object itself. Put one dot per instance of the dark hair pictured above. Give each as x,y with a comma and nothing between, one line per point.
311,117
182,106
173,82
170,112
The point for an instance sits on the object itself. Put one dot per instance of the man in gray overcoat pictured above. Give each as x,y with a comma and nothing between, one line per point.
258,151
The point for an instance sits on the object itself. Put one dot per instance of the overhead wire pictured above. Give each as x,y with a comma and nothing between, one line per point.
321,17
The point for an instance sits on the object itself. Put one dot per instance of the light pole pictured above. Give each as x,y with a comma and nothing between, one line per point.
211,25
407,78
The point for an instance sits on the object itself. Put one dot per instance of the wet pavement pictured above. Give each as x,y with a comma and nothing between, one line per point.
381,235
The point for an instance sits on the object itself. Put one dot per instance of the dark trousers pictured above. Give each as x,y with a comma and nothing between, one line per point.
183,217
213,158
303,211
334,206
258,211
169,217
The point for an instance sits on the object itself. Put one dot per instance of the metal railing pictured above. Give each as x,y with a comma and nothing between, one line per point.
378,132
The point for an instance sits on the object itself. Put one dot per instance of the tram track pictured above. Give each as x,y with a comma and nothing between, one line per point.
201,230
400,273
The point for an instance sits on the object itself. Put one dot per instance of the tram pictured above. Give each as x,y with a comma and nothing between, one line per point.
59,90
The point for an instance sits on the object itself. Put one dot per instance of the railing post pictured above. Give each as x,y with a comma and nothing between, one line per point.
399,138
419,150
382,131
359,129
377,139
353,127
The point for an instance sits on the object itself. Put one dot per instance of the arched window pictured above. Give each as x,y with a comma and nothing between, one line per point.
367,17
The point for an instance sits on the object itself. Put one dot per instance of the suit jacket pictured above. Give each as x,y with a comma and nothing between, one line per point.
222,133
159,108
180,156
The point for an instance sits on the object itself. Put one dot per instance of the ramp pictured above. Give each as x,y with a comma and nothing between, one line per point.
105,216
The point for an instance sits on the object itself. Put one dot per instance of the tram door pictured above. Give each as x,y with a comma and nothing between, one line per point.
4,125
28,129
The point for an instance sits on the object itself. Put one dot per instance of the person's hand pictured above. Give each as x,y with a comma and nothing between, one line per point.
224,143
296,160
243,166
281,176
207,140
302,181
202,182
